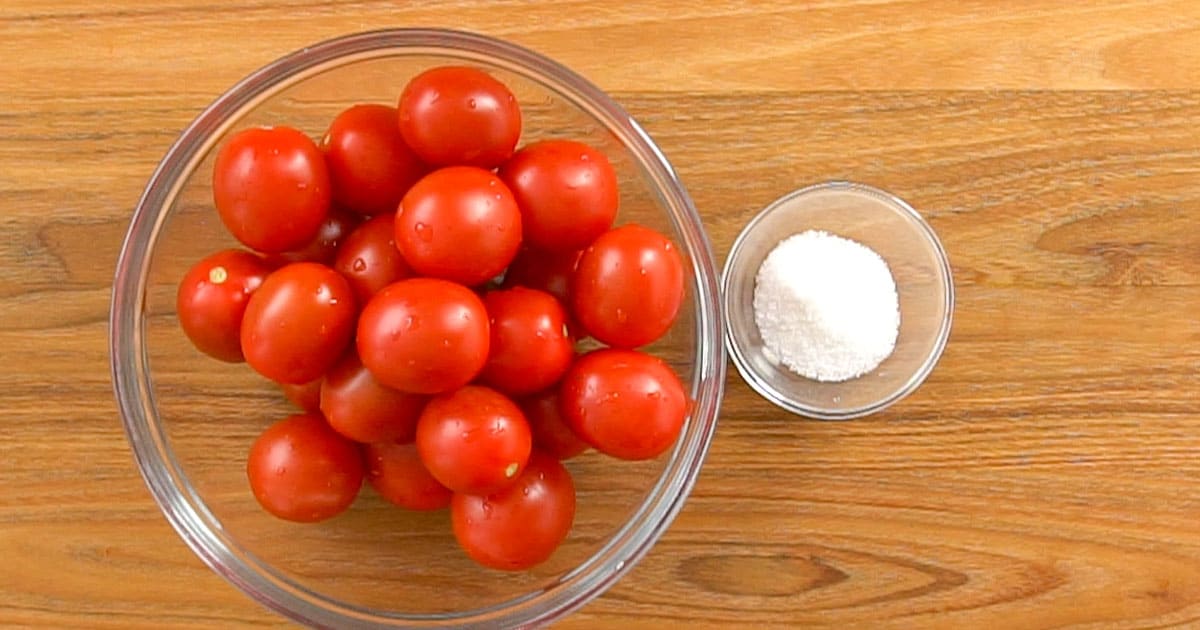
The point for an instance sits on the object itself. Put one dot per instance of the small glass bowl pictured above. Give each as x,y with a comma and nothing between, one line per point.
190,419
917,261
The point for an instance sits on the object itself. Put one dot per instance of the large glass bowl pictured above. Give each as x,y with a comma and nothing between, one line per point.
190,420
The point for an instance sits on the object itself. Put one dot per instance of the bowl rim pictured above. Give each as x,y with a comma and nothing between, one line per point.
734,264
182,506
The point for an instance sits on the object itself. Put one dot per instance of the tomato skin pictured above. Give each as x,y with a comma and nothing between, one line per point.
298,323
370,166
424,336
271,188
397,474
530,345
457,115
306,396
362,409
545,271
369,259
567,192
519,527
301,470
459,223
628,287
211,301
473,440
627,404
324,246
551,435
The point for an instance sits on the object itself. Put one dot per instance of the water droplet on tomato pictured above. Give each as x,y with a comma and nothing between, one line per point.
217,275
333,301
492,183
471,103
424,232
280,470
667,246
654,395
642,270
445,343
487,508
410,322
622,316
511,470
359,265
583,157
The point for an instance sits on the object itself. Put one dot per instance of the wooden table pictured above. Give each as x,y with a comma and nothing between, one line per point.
1045,476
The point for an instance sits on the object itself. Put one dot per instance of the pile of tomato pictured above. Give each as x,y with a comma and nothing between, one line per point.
419,286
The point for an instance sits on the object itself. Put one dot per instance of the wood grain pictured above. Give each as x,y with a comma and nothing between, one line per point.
1044,477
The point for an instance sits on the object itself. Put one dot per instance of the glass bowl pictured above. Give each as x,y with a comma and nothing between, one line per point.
190,420
918,264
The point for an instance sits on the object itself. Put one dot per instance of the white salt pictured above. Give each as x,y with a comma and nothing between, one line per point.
826,307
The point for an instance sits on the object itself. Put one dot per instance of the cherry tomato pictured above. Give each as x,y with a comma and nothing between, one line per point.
301,470
567,192
306,396
424,336
298,323
455,115
211,301
271,188
369,258
364,410
551,435
545,271
625,403
397,474
520,526
628,287
370,166
530,345
459,223
474,440
324,246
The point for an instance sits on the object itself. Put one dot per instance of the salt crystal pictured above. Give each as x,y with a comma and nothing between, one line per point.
826,307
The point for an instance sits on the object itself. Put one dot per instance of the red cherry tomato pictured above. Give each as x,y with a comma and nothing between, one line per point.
306,396
369,164
369,258
459,223
455,115
567,192
271,188
301,470
551,435
298,323
397,474
211,301
324,246
519,527
545,271
628,287
364,410
474,440
530,345
424,336
625,403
